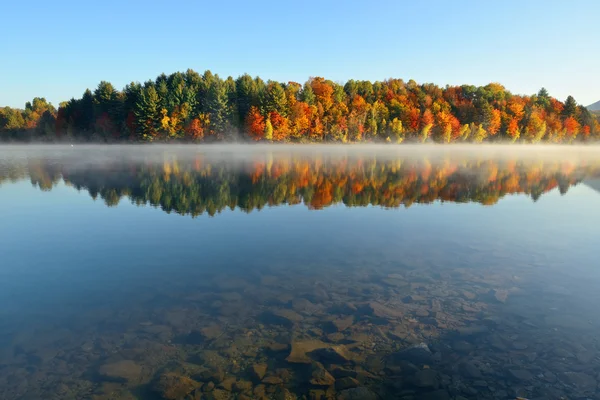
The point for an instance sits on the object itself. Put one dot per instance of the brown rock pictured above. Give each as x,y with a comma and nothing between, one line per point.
346,383
395,282
416,354
320,376
288,315
501,295
468,295
302,305
336,337
212,331
121,371
227,383
381,311
316,394
209,387
219,394
242,386
300,348
341,324
283,394
339,372
412,298
359,393
421,312
277,347
273,380
172,386
258,371
338,354
259,391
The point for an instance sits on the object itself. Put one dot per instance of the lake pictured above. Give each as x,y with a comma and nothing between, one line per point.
299,272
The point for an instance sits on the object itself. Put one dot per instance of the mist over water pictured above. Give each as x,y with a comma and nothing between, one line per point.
309,271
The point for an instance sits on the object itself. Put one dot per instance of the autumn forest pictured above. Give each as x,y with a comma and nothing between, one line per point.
193,107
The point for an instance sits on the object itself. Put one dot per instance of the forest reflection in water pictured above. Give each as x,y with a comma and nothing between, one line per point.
210,181
312,301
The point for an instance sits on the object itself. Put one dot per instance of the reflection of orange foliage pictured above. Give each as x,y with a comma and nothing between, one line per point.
321,181
258,170
420,182
323,196
357,187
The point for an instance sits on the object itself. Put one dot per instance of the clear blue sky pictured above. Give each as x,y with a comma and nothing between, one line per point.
58,49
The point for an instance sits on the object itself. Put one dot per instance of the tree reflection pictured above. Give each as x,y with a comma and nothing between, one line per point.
197,186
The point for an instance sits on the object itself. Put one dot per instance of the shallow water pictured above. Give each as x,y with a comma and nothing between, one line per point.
299,272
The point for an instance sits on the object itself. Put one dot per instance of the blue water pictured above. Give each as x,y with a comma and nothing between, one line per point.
77,274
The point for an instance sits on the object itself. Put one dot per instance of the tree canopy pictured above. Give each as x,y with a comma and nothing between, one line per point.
193,107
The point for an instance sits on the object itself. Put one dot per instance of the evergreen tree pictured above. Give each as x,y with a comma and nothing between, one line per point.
147,112
274,99
307,95
246,95
217,107
570,109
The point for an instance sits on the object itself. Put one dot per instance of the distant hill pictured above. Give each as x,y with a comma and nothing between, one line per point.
594,107
593,183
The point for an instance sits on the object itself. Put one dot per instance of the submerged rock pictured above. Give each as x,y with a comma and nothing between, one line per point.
381,311
340,324
339,372
122,371
346,383
212,331
501,295
283,394
359,393
300,348
320,376
427,378
469,370
416,354
227,383
521,374
435,395
273,380
338,354
421,312
282,316
242,386
259,371
316,394
584,383
219,394
171,386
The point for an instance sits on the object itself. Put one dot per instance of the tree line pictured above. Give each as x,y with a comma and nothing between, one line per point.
197,107
198,187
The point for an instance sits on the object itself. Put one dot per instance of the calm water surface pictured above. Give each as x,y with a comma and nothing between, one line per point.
299,272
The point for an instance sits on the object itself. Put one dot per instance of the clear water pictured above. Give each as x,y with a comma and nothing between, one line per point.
299,272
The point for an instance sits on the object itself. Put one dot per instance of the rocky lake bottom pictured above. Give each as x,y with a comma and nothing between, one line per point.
375,332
